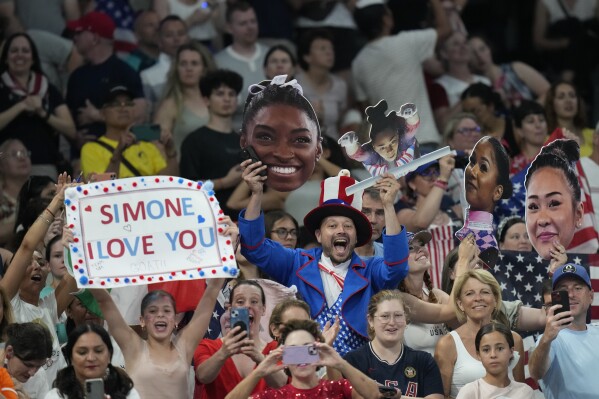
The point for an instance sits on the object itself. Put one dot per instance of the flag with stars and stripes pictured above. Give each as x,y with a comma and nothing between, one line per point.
124,17
521,275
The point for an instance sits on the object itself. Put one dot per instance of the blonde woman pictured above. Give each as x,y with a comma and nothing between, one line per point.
183,108
477,300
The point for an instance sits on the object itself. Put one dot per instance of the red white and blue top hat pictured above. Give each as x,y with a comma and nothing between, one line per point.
335,202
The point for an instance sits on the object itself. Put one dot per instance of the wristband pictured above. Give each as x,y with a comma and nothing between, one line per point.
441,184
50,212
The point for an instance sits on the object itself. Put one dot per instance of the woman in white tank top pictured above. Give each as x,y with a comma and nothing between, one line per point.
477,300
422,336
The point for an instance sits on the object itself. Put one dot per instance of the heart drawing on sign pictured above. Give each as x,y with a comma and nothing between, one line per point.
127,227
201,219
88,208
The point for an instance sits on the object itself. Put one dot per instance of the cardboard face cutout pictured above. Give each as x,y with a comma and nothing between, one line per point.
486,181
282,128
552,212
392,138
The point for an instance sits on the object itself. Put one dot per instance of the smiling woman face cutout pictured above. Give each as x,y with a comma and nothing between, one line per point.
553,201
285,139
282,127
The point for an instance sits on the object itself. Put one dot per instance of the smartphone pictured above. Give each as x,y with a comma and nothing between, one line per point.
249,153
386,391
94,388
560,298
241,317
146,132
96,177
303,354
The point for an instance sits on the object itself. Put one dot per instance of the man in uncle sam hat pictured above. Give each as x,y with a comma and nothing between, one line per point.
565,360
331,278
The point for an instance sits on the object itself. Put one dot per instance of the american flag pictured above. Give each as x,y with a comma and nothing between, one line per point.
123,16
521,275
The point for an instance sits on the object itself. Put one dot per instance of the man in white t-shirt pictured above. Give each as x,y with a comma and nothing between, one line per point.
390,67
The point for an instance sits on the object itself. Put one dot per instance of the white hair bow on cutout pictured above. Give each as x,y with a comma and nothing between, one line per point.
279,80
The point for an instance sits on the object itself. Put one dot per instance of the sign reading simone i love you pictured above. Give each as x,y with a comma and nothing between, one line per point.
145,230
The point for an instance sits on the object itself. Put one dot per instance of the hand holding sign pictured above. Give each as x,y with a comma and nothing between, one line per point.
147,229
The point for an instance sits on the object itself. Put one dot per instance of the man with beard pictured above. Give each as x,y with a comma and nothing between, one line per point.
332,278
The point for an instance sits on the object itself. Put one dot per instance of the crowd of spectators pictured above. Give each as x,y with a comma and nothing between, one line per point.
115,89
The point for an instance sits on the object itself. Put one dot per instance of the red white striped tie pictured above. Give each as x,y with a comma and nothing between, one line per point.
340,280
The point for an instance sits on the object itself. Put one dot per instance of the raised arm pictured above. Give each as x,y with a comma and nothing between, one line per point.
362,385
268,366
256,184
425,212
424,312
128,340
389,187
22,258
208,369
193,332
441,21
539,362
530,319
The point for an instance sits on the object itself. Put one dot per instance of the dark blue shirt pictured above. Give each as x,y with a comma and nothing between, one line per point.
415,373
92,82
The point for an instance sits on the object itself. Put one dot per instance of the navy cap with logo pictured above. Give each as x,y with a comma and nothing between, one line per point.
571,270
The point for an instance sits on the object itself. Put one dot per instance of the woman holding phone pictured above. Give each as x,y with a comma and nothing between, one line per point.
89,352
305,382
223,363
495,349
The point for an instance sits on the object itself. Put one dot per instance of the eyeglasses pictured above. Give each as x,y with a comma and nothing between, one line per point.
283,233
468,131
115,104
386,317
429,174
19,154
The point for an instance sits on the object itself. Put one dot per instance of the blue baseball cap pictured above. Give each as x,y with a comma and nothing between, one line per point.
571,270
421,169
